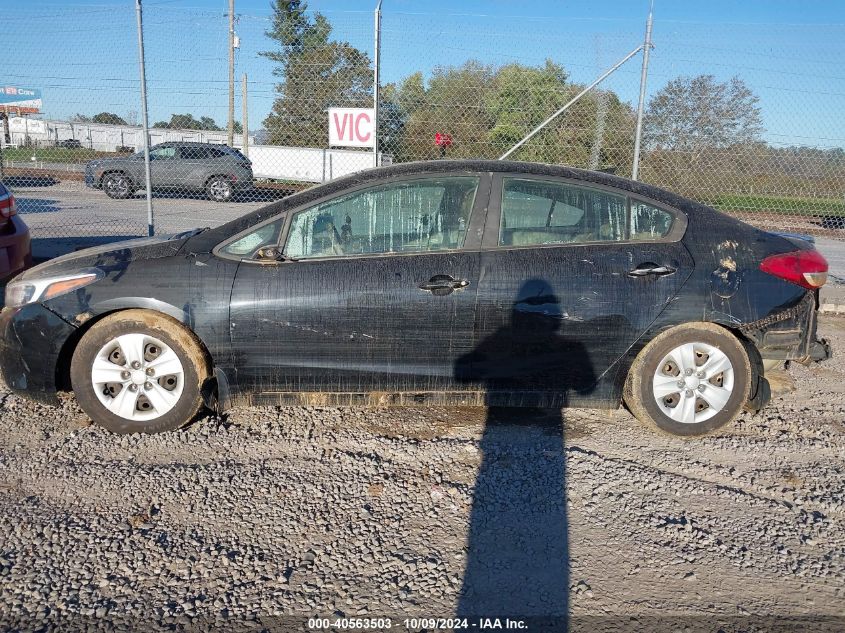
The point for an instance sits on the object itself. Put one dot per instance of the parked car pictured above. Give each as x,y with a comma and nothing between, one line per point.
446,282
70,143
15,251
218,170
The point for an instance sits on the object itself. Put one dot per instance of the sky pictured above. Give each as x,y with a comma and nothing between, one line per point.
83,54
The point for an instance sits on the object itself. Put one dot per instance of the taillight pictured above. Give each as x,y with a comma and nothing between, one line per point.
8,208
805,268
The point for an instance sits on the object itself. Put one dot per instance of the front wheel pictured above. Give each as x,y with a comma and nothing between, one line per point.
139,372
690,380
118,186
219,189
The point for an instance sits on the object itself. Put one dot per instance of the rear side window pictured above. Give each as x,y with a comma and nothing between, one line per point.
213,152
649,222
536,212
194,153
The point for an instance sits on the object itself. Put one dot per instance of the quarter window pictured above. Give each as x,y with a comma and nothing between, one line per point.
264,235
649,222
412,216
538,212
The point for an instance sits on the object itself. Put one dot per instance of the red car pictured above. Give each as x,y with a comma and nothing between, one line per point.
15,251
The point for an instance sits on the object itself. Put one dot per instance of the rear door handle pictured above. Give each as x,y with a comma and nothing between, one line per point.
651,269
443,284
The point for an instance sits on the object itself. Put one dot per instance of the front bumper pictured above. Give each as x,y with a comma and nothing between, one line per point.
90,179
31,341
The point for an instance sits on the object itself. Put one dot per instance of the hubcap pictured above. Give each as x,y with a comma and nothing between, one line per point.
220,189
693,382
137,377
118,184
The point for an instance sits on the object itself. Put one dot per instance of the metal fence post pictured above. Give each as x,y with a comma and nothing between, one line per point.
245,119
376,59
231,126
145,123
635,170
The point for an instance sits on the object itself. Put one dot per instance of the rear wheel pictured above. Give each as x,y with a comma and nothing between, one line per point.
118,185
690,380
139,372
219,189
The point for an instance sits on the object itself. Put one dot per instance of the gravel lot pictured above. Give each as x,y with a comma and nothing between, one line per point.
429,512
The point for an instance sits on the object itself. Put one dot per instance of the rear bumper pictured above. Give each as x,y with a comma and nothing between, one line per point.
31,341
790,334
15,248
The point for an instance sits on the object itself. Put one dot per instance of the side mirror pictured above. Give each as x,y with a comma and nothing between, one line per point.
269,254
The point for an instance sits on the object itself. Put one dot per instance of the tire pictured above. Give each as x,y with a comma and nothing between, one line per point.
219,189
161,393
118,185
709,399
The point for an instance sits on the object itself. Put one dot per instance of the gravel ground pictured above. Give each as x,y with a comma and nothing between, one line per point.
429,512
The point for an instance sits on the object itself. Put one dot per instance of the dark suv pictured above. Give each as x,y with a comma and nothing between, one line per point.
218,170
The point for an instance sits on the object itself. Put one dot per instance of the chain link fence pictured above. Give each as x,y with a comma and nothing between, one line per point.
751,127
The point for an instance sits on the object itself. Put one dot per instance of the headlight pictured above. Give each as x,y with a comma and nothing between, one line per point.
19,293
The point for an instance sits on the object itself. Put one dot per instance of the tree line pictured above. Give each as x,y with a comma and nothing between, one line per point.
700,134
176,122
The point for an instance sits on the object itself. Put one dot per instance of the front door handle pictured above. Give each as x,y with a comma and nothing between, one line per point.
443,285
651,269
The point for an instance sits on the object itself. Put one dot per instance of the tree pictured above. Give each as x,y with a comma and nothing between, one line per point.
689,114
108,118
80,118
188,122
487,110
698,131
317,74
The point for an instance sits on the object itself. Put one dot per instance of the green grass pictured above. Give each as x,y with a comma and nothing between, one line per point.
52,154
779,204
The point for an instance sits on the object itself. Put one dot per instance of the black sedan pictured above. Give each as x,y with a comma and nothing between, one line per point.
448,282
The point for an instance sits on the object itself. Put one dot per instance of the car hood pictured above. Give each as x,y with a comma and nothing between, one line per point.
111,256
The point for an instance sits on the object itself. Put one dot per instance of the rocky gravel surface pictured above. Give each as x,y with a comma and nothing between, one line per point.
337,512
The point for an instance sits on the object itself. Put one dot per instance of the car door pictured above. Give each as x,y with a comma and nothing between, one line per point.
376,292
163,164
191,171
570,276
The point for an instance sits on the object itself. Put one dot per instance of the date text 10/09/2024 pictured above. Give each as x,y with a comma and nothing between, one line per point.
417,624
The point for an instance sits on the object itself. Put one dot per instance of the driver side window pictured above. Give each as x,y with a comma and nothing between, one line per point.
162,152
413,216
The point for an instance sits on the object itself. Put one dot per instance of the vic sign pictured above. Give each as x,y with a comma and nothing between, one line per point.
351,127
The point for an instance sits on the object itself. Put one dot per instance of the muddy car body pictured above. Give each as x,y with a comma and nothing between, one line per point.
472,282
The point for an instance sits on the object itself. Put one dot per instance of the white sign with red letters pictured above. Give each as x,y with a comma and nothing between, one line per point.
351,127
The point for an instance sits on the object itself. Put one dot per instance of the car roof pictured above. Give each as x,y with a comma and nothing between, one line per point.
190,144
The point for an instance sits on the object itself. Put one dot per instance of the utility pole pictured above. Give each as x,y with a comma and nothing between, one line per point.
376,59
641,105
244,119
231,72
145,122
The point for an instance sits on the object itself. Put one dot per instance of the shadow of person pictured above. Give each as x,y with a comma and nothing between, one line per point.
517,552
